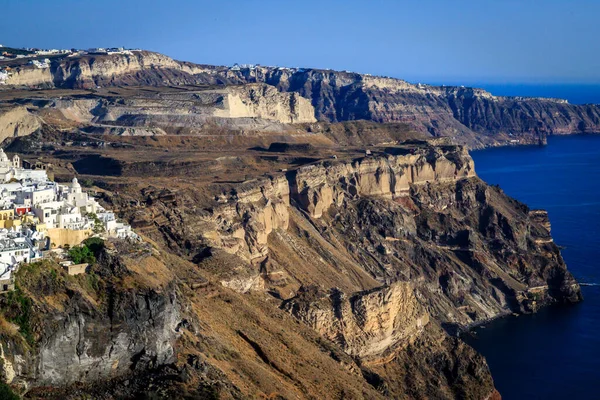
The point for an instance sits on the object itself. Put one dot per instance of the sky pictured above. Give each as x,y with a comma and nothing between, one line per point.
429,41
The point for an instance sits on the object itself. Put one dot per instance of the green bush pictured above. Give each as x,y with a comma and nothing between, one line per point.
6,392
87,183
93,282
95,244
82,254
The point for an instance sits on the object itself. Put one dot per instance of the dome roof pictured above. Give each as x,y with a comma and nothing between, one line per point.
75,187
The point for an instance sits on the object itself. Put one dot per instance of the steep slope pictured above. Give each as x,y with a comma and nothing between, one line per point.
147,324
17,121
89,71
377,255
471,116
255,108
441,111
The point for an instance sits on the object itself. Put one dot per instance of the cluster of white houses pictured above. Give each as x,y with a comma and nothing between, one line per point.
45,63
37,214
35,60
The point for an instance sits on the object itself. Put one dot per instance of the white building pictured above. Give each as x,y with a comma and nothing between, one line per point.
10,170
16,248
8,194
80,199
71,218
55,205
109,221
48,213
13,252
45,63
35,195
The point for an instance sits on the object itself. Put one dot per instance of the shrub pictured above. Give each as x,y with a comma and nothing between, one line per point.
6,392
95,244
82,254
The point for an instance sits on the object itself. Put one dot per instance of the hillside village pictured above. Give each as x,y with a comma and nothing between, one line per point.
38,216
38,58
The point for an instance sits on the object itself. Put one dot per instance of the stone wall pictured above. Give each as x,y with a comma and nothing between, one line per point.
60,237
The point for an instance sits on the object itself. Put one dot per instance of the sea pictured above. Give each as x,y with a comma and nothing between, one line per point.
554,354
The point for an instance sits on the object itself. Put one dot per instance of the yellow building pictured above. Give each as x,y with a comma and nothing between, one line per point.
11,223
41,228
7,219
7,214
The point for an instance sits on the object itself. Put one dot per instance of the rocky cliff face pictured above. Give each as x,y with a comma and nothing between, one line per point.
365,324
439,111
339,276
17,121
470,116
90,329
377,254
317,187
140,67
254,107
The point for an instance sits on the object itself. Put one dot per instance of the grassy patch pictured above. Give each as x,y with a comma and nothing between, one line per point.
18,309
42,277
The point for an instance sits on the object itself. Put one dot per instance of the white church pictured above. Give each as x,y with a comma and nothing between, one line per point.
10,170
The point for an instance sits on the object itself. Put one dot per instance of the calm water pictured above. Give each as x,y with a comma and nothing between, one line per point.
554,354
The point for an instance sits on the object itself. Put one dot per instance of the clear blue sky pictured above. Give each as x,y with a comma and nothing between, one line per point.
440,41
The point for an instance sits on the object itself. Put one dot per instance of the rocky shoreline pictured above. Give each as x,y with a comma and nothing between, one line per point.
308,233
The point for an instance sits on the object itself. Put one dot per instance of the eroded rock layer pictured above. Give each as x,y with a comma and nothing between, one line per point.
470,116
381,255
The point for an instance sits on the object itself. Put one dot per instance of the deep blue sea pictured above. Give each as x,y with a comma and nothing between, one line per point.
554,354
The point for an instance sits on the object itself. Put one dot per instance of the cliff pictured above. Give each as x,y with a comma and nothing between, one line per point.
17,121
88,328
470,116
276,271
382,255
253,108
140,68
440,111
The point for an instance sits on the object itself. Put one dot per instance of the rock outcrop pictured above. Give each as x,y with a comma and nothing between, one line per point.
89,334
140,67
416,214
256,107
367,323
243,221
17,121
470,116
317,187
